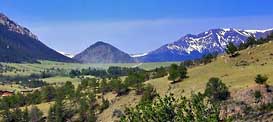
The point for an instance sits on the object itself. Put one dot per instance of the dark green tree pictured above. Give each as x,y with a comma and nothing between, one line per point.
48,93
51,114
68,89
257,95
87,108
270,36
182,69
104,86
105,104
149,93
177,73
119,87
170,109
261,79
231,49
216,90
26,117
174,73
35,114
251,41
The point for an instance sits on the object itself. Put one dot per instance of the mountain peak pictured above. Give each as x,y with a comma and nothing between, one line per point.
101,52
14,27
101,43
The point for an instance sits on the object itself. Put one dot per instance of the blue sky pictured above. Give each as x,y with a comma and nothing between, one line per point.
134,26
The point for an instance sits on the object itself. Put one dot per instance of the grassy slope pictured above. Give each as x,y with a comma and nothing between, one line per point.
118,103
236,77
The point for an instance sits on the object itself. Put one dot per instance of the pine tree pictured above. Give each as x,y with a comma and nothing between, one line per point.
25,115
231,49
216,90
270,37
251,41
35,114
173,73
51,114
182,69
177,73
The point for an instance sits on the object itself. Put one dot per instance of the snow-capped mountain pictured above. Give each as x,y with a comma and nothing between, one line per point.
194,46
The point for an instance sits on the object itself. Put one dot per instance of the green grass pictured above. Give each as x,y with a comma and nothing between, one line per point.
61,79
12,87
27,69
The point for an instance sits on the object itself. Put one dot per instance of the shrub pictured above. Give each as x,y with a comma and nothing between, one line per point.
170,109
159,72
35,114
216,90
261,79
119,87
105,104
149,93
257,95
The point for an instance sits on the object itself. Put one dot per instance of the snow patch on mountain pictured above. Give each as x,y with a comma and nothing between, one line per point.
260,31
138,55
66,54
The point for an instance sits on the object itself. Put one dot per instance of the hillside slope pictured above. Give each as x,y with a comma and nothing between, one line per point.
18,44
237,73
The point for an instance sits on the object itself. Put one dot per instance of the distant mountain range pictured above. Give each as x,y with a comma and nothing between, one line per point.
195,46
18,44
102,52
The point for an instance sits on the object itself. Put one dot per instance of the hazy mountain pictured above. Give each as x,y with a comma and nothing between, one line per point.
18,44
101,52
194,46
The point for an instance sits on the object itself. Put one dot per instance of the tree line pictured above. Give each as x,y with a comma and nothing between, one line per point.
251,41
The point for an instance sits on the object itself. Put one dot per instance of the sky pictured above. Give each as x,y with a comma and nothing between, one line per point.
134,26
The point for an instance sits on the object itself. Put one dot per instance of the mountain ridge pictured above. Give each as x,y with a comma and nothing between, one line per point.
18,44
192,46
